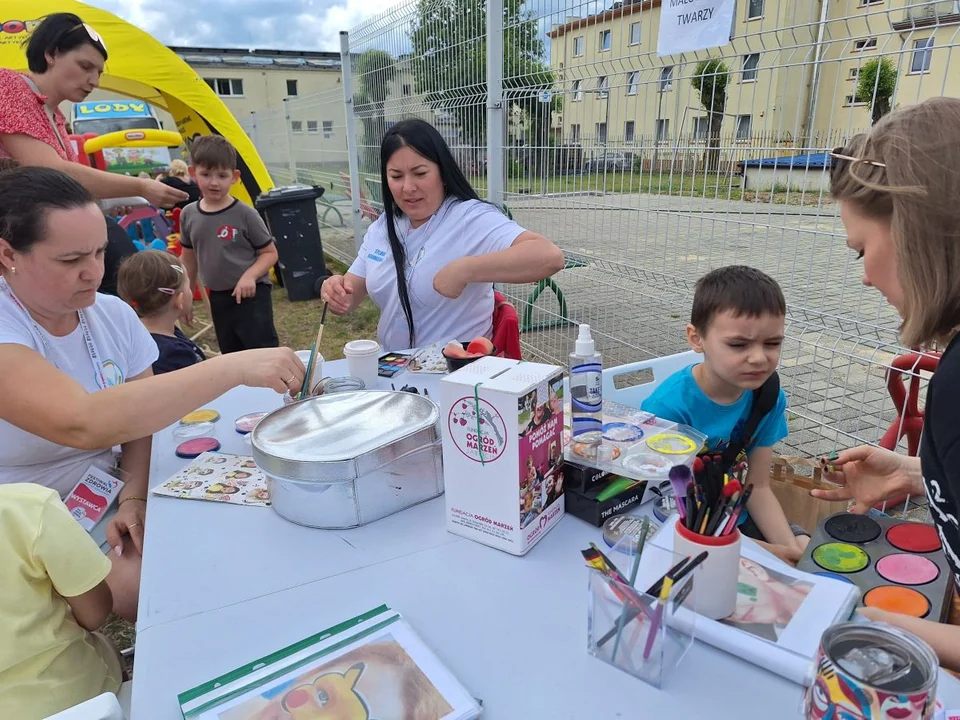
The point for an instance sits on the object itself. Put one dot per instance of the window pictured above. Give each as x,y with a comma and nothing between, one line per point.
635,33
666,78
605,40
602,87
406,90
291,88
602,132
313,127
755,10
864,3
575,133
296,126
922,53
750,63
633,81
852,100
327,129
663,130
744,123
577,92
578,46
225,87
629,131
865,44
854,72
701,128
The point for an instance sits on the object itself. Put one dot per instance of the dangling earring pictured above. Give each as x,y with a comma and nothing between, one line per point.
13,269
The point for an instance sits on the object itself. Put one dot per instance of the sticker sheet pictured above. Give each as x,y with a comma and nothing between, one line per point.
219,477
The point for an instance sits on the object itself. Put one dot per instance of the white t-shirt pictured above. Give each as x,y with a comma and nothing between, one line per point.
460,228
125,348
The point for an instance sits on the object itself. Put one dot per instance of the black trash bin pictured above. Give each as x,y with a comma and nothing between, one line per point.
291,215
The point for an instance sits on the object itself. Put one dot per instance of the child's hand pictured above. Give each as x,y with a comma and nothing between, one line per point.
246,288
790,554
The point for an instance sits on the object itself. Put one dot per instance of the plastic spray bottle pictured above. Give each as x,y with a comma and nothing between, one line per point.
586,393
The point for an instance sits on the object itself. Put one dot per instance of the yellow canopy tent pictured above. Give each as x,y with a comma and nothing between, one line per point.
141,67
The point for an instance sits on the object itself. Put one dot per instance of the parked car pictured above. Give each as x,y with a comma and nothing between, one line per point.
610,162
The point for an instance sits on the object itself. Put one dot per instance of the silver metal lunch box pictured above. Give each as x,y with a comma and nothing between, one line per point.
347,459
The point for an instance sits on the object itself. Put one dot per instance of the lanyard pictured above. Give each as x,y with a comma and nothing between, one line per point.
48,112
84,327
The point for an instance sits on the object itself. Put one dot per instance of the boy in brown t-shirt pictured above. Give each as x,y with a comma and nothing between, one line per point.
233,249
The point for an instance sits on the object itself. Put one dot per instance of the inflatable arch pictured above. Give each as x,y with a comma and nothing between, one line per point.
143,68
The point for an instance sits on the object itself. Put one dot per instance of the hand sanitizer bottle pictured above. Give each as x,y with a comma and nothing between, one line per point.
586,394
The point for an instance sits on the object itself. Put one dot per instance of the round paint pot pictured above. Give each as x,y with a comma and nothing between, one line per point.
192,448
246,423
200,416
193,430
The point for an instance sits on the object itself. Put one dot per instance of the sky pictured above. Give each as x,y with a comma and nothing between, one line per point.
273,24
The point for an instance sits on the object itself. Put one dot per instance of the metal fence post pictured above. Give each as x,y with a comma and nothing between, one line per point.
495,109
352,150
291,162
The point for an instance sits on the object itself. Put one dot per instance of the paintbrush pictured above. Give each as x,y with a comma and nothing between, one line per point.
680,475
730,490
641,541
308,381
737,510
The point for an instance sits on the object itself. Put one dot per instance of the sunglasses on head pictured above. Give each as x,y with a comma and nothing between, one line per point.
837,153
91,33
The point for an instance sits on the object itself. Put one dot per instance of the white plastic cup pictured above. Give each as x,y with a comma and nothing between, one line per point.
304,356
363,361
719,573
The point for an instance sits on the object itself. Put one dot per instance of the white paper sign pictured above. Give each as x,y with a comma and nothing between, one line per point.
688,25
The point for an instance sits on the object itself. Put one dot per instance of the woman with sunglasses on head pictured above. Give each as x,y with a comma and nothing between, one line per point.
430,260
66,58
899,194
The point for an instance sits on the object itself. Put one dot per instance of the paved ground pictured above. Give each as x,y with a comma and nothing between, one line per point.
644,252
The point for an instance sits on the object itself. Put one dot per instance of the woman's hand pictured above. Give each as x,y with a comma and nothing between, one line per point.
869,475
129,520
336,292
161,195
277,368
451,280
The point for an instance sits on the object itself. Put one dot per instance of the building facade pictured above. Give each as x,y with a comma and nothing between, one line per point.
791,68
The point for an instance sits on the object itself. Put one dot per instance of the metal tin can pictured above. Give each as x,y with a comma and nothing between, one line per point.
872,671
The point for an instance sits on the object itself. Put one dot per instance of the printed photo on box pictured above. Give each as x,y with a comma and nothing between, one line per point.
766,600
539,451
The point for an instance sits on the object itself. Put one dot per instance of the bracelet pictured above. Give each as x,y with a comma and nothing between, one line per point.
132,497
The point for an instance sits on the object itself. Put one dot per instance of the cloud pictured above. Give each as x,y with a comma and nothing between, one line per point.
272,24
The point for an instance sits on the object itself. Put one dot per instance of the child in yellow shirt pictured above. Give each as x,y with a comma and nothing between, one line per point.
53,595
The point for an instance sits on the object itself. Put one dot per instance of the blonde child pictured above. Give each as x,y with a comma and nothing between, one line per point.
53,596
155,285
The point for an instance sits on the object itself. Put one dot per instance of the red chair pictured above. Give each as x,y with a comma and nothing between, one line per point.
506,328
909,421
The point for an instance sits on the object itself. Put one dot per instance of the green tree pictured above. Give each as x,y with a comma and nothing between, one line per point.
710,80
450,63
876,83
375,70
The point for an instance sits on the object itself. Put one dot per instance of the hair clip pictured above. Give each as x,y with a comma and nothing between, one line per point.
177,268
167,291
840,156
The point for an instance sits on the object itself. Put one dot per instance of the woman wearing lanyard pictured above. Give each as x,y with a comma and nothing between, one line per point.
66,59
68,354
430,260
898,188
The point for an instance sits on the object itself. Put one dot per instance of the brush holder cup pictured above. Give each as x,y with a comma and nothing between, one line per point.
718,573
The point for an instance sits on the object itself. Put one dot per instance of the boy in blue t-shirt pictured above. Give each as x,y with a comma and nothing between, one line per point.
737,324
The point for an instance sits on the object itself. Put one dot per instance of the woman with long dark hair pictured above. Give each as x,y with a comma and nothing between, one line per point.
430,260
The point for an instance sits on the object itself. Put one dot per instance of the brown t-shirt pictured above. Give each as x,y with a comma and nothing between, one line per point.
226,242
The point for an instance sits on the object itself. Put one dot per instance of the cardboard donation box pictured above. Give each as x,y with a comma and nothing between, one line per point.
502,424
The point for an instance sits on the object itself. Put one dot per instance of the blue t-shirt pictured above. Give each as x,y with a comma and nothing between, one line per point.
680,399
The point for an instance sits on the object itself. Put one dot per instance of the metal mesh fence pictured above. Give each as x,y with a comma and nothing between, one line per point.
649,171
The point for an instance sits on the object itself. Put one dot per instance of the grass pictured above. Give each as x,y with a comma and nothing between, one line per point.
297,325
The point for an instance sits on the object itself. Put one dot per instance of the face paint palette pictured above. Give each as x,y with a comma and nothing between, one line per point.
391,363
899,566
